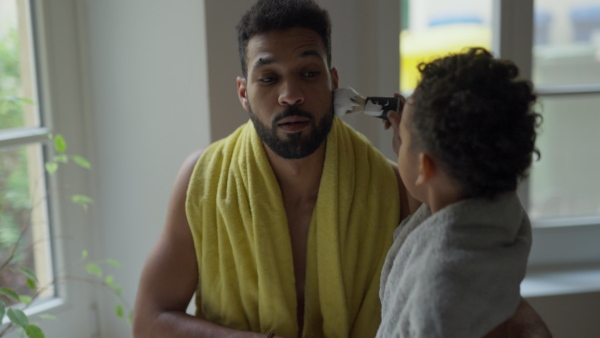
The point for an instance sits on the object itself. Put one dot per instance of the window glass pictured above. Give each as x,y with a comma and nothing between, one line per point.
563,183
24,231
566,42
24,237
566,52
434,28
17,91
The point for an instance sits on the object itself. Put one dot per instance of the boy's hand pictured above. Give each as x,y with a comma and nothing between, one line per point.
393,120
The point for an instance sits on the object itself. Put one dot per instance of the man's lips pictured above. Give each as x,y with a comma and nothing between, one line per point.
293,123
293,119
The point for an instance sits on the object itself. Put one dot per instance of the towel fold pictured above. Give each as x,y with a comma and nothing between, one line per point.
244,254
455,273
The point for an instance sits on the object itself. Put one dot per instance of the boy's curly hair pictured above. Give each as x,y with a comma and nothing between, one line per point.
475,116
267,15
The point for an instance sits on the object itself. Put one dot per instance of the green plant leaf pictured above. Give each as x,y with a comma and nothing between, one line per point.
31,284
119,311
26,100
34,331
28,273
10,293
59,143
61,158
25,299
18,317
114,263
94,269
117,289
84,255
82,162
2,310
82,200
109,280
47,316
51,167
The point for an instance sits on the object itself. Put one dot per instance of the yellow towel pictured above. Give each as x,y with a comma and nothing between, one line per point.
243,247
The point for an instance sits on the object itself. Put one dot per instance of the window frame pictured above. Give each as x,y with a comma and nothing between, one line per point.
559,245
557,241
63,102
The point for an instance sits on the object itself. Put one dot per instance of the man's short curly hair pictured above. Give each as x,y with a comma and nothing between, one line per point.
476,117
267,15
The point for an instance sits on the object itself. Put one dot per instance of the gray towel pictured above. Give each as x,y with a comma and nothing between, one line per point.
455,273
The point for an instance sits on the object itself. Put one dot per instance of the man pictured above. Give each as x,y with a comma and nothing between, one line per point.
282,227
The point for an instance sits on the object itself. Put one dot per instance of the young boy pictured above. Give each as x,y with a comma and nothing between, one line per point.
467,135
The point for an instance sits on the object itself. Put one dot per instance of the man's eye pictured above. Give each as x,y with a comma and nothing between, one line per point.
267,79
311,74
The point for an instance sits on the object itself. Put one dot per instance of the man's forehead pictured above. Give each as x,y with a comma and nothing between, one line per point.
277,44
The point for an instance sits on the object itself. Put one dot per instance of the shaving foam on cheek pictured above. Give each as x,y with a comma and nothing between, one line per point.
344,101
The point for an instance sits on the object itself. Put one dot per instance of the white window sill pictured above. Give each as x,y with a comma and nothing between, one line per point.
553,282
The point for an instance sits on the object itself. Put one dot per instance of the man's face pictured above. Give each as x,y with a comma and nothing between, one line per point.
289,91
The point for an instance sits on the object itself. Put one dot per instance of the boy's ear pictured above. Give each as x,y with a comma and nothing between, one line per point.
242,92
427,169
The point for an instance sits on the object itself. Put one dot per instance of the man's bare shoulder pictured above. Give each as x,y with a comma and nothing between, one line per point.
194,156
189,164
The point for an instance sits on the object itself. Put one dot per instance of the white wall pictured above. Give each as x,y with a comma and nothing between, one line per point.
148,81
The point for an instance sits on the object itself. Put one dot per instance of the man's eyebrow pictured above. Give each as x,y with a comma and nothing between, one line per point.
267,61
263,62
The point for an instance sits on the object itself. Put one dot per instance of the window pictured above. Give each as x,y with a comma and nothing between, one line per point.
42,92
24,226
556,43
434,28
566,71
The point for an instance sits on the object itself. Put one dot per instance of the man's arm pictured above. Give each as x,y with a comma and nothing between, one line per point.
170,276
526,323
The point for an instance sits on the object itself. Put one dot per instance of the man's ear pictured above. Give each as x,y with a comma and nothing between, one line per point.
427,169
243,93
334,78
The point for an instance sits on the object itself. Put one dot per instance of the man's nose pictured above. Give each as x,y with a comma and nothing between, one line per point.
291,94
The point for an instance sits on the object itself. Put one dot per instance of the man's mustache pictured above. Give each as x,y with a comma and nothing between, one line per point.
292,111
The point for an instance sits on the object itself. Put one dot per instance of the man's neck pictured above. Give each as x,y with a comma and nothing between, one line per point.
298,178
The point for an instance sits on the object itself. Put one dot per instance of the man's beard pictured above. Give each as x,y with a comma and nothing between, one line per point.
294,145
